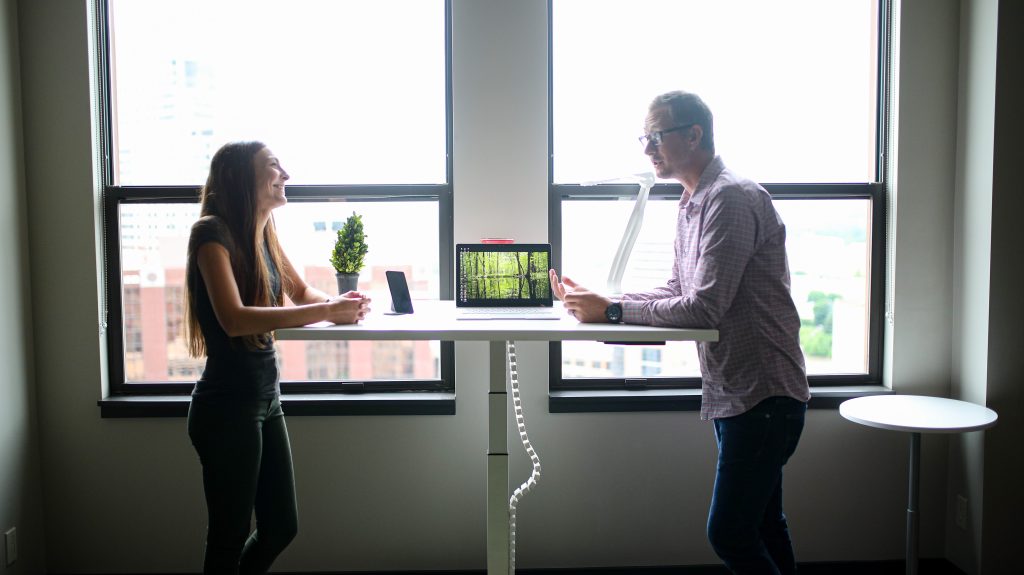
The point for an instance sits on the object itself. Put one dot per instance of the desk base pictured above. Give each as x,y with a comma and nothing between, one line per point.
497,514
498,542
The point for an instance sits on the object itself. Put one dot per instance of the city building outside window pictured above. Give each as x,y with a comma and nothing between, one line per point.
327,95
797,89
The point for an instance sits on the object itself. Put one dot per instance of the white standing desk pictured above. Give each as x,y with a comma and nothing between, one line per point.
916,414
435,320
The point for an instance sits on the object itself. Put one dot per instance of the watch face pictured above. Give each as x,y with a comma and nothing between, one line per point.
614,312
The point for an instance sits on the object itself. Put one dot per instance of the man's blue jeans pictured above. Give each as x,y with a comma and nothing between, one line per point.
746,525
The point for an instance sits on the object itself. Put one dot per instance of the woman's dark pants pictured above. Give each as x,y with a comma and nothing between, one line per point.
247,466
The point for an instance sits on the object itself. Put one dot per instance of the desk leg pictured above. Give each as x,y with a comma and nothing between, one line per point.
912,501
497,464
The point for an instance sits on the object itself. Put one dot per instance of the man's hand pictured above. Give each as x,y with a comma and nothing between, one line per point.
581,303
557,287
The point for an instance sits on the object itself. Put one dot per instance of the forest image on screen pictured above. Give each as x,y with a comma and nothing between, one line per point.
504,275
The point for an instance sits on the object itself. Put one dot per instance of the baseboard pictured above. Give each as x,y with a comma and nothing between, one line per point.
897,567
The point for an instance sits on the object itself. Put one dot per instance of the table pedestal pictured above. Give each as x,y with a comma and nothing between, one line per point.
912,501
917,414
497,463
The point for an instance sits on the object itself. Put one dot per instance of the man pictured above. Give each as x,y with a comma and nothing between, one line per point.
731,274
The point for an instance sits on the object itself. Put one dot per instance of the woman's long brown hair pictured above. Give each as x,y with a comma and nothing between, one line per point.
230,194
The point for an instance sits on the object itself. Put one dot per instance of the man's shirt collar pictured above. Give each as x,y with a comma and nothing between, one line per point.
709,175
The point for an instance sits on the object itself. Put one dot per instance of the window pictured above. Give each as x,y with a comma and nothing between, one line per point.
796,88
319,82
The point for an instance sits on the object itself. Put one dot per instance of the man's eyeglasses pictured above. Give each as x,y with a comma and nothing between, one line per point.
655,137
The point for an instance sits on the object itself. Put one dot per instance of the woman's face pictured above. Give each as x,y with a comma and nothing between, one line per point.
270,179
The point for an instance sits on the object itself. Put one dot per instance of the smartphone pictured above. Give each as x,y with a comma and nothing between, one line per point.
401,302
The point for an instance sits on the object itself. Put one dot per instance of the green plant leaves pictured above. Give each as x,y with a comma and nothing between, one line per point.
350,246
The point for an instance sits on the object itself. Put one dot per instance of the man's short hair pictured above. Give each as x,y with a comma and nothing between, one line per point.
688,108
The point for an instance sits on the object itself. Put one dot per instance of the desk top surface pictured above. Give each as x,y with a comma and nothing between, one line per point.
918,413
435,320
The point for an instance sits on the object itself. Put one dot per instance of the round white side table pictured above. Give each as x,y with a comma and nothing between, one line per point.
916,414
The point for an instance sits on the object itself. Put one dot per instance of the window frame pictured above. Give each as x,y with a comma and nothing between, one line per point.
570,394
113,197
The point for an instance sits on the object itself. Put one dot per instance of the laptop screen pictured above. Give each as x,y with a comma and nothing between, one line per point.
498,275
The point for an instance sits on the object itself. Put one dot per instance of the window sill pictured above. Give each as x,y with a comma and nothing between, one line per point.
321,404
146,406
683,399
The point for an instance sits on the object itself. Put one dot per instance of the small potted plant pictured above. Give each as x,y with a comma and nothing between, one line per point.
349,252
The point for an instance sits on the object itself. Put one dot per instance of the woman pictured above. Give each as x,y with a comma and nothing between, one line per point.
236,278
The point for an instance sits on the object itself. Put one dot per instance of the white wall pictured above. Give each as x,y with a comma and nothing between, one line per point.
500,102
926,80
986,468
20,503
1004,464
387,493
972,235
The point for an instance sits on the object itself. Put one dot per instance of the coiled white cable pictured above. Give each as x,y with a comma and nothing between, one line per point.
517,406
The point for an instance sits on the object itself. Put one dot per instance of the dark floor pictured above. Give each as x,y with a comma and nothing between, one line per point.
926,567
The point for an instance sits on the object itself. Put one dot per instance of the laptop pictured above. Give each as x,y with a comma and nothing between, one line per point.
503,281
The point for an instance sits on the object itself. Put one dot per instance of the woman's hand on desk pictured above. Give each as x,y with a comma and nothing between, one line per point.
349,307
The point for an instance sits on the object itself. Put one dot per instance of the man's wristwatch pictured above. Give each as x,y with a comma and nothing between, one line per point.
614,312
